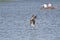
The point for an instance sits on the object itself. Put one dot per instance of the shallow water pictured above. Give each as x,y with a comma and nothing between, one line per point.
15,17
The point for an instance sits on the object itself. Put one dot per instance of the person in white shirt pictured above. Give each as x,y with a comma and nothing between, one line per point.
44,5
49,5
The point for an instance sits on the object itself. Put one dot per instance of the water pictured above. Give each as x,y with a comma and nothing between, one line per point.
15,17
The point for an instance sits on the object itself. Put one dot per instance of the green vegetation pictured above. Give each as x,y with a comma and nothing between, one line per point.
6,0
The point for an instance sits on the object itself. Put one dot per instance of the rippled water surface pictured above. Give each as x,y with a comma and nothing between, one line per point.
15,17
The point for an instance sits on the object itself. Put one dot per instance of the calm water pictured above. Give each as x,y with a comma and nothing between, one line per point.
15,16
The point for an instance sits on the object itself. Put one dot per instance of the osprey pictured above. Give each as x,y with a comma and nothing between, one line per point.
32,20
